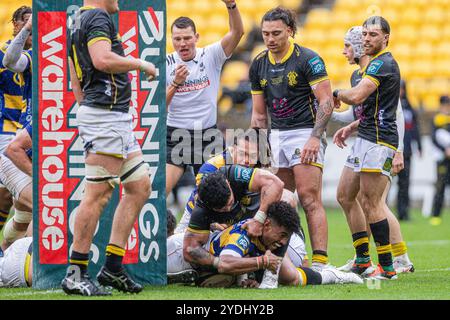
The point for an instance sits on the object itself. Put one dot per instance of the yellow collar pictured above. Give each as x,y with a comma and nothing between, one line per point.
373,58
88,8
287,56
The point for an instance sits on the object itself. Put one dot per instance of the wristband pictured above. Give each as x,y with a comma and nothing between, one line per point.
176,84
232,7
216,262
257,263
260,216
335,93
142,65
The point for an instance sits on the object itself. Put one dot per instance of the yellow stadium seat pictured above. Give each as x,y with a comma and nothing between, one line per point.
318,18
412,15
430,102
291,4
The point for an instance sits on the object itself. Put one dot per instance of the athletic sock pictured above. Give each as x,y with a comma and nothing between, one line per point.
361,245
309,276
3,217
380,232
79,259
319,256
399,249
114,257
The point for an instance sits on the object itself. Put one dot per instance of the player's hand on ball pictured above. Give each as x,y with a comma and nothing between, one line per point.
310,150
253,227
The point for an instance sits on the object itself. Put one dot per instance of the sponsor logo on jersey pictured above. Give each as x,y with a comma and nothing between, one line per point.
317,65
374,67
243,242
243,174
292,78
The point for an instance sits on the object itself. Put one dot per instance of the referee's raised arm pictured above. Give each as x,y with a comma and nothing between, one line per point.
231,39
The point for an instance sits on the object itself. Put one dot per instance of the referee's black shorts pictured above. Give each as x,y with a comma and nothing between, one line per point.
192,147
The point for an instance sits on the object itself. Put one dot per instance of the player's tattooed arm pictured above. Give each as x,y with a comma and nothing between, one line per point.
193,251
323,115
323,94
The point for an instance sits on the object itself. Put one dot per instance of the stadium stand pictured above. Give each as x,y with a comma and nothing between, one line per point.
420,37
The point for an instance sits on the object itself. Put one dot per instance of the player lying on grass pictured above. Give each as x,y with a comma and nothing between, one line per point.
16,263
233,252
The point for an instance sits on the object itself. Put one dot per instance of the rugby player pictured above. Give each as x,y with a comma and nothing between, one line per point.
16,265
192,81
12,104
377,140
290,83
441,145
234,252
354,52
250,149
100,82
17,155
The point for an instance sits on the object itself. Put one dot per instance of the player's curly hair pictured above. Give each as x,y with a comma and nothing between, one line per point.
20,12
213,190
280,13
284,215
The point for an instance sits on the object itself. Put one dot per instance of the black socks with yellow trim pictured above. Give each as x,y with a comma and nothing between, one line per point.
320,256
380,232
361,245
80,259
114,257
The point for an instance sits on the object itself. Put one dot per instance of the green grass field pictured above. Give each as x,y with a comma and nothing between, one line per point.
429,249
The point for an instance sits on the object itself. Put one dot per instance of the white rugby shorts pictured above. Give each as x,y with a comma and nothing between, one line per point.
107,132
367,156
286,147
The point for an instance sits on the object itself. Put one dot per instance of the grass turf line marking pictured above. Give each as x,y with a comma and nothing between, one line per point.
31,293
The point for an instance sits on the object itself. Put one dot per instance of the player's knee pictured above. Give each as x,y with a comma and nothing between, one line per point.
10,233
6,200
100,175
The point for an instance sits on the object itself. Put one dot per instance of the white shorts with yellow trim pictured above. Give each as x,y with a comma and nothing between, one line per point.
367,156
13,264
287,145
107,132
14,179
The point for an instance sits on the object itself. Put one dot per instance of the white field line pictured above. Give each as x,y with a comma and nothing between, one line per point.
30,293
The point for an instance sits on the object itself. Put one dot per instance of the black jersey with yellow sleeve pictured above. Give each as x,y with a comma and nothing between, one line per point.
240,179
100,89
378,124
286,86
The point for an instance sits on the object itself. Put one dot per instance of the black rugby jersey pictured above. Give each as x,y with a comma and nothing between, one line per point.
240,179
101,90
287,86
378,124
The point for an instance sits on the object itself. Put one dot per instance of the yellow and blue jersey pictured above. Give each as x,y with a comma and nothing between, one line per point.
236,240
15,96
